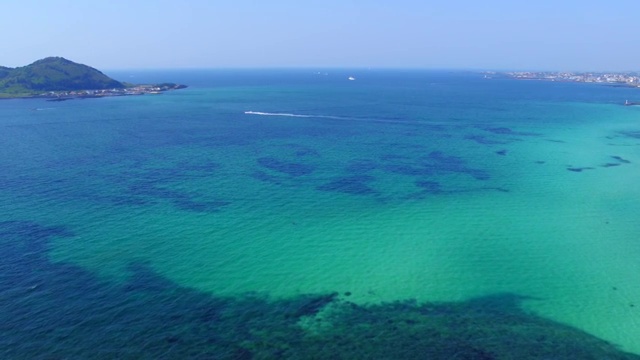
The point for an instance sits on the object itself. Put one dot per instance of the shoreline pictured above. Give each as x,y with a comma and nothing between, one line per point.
64,95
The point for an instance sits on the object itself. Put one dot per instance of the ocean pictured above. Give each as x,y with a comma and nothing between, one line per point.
297,214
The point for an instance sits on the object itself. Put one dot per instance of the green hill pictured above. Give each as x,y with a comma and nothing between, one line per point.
4,71
53,74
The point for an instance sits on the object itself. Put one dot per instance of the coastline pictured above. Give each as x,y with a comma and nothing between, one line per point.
64,95
614,80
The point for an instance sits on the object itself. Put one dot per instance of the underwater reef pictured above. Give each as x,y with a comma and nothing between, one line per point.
61,311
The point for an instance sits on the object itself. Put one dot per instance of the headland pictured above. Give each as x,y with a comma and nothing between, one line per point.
59,79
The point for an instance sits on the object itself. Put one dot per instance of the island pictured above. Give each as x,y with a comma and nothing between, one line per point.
59,79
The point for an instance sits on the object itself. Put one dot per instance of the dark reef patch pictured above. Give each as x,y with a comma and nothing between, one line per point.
361,166
308,305
210,206
307,152
480,139
355,185
394,157
150,189
302,150
408,170
181,171
579,169
621,160
500,189
61,311
126,200
289,168
508,131
263,176
402,146
630,134
500,130
436,163
444,161
432,187
148,192
141,185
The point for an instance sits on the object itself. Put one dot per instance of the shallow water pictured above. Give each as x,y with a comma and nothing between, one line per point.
433,186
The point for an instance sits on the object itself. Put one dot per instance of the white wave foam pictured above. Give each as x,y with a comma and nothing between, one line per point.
297,115
364,120
278,114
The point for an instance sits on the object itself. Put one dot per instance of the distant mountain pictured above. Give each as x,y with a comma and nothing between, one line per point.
54,74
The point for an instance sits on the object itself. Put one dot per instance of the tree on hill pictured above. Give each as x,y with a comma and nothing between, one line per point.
4,71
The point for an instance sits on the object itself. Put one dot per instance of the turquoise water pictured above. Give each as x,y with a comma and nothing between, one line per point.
251,192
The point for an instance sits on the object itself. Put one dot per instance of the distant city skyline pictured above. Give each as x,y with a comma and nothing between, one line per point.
566,35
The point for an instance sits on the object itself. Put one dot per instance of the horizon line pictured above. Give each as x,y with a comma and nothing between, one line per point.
358,68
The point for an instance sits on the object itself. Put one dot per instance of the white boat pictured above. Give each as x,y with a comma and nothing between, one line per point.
351,78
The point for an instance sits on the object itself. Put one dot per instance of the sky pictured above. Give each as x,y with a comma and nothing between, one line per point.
563,35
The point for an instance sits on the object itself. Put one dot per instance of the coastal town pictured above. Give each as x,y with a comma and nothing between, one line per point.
128,91
630,79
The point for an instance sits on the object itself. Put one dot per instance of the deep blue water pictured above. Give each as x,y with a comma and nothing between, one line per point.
88,188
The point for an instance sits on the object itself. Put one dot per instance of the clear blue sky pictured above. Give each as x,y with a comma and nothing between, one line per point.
455,34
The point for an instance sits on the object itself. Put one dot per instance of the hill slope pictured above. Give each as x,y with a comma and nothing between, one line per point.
4,71
54,74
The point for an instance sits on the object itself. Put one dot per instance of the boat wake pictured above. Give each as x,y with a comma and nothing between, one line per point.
276,114
295,115
354,119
